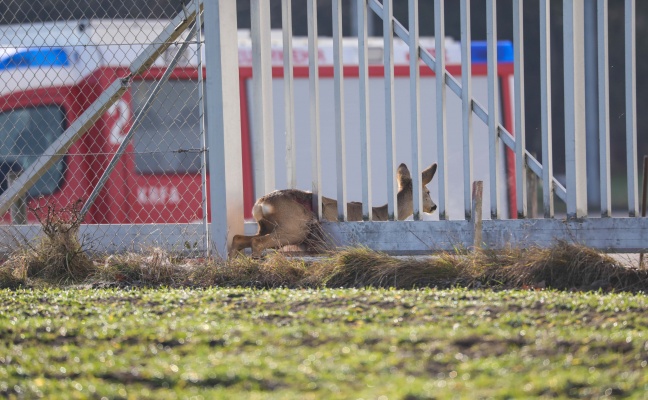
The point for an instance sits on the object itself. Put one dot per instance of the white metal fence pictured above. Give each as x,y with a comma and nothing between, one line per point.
173,207
610,234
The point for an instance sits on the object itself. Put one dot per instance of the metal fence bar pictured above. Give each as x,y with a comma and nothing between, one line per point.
442,142
224,124
390,114
493,104
203,134
264,167
466,105
415,106
545,109
603,110
520,115
365,137
338,89
313,78
575,161
631,107
289,94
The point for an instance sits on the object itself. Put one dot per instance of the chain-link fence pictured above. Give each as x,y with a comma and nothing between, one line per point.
141,159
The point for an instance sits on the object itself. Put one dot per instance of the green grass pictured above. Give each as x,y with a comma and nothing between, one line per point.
324,343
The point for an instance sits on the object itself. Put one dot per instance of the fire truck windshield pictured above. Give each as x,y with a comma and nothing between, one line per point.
27,133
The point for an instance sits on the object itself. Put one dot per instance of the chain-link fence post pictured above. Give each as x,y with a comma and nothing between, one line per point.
223,123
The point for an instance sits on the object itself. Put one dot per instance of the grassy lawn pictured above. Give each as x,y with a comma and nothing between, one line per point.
325,343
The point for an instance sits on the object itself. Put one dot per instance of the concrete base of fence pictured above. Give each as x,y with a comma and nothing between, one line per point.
614,235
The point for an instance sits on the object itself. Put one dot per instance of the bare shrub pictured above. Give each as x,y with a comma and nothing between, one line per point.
58,256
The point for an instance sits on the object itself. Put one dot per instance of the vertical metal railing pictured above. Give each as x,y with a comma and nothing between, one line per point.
442,140
415,106
390,113
201,125
365,137
575,197
338,89
631,107
545,109
313,78
224,123
574,85
262,88
493,104
520,119
289,94
603,109
466,106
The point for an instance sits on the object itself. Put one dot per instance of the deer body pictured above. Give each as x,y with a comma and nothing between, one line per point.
286,217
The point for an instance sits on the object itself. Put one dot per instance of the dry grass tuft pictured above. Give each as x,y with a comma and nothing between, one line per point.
57,257
153,267
362,267
275,270
11,277
567,266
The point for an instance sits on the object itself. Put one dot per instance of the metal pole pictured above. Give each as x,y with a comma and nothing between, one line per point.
520,116
365,137
466,105
338,90
591,104
493,105
415,106
575,159
223,124
644,193
201,113
440,73
545,109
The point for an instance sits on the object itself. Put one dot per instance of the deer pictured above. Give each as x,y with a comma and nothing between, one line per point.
286,217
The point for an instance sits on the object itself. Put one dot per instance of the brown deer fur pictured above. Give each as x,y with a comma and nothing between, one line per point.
286,217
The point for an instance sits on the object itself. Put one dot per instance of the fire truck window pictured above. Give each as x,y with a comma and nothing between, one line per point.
25,134
168,140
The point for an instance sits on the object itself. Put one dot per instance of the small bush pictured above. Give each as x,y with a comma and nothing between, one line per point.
58,256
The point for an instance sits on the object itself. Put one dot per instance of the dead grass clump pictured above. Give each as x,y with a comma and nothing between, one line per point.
58,256
275,270
11,277
362,267
567,265
484,267
154,267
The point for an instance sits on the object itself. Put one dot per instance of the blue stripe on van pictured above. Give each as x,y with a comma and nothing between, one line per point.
43,57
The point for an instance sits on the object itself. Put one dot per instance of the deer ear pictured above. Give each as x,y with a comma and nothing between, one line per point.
428,174
403,176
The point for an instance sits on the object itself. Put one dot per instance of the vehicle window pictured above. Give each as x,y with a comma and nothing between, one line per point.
25,134
168,139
